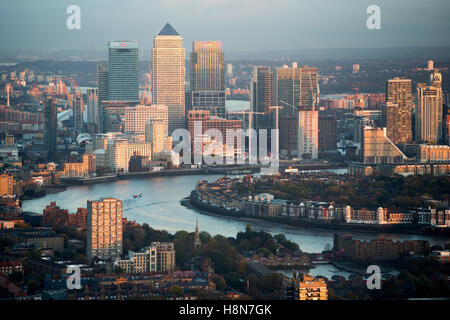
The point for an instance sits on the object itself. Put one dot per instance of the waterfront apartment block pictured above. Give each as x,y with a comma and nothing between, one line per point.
159,256
104,228
378,249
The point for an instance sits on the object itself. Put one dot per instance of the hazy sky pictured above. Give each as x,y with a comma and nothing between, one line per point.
242,25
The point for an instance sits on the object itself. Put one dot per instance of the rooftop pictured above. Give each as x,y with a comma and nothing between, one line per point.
168,30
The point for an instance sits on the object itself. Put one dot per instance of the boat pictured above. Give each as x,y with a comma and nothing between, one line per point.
137,195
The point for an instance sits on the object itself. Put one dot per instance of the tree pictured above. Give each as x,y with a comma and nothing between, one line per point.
80,259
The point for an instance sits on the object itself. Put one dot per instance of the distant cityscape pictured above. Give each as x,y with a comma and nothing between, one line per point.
362,147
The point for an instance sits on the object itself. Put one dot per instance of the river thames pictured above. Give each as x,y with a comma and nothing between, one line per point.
160,207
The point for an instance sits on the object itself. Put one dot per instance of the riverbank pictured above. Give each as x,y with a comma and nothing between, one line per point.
412,229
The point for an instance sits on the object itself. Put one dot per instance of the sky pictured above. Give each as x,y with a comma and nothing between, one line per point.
242,25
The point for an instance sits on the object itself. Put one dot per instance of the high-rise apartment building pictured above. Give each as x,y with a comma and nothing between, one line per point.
293,87
207,77
168,73
6,185
327,132
397,110
50,127
308,133
104,228
429,120
123,71
136,117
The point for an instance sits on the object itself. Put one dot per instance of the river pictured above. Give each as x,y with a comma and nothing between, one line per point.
160,207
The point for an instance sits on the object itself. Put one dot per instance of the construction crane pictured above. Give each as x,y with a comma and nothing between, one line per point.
276,114
146,99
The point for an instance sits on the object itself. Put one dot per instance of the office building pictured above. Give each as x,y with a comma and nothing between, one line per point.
136,117
429,120
50,128
308,133
104,228
208,122
93,115
103,94
397,110
261,97
207,77
156,134
119,151
293,87
123,71
77,114
168,72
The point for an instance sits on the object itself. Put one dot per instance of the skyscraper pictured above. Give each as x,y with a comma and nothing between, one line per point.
293,87
308,133
103,94
261,95
77,114
397,110
207,77
50,128
429,121
123,71
93,115
104,228
168,72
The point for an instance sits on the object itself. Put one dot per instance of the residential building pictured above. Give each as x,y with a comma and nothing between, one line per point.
397,110
104,228
429,110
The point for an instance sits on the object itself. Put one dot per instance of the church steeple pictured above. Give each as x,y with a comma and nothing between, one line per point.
197,241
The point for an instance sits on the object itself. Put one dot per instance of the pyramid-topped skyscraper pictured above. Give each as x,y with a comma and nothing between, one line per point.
168,30
168,72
